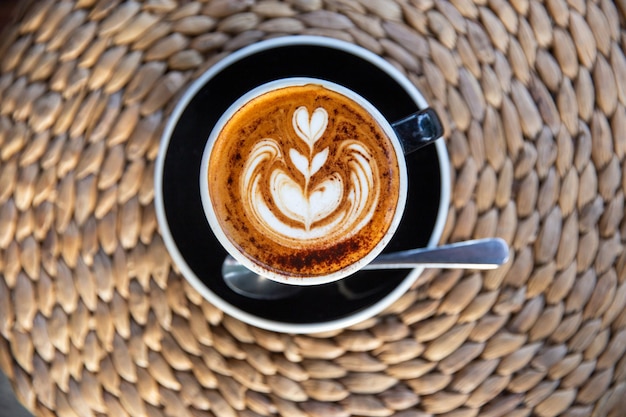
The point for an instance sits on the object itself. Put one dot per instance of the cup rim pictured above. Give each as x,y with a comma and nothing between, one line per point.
177,257
234,251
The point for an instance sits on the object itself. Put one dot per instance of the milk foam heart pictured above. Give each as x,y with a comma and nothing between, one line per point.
310,130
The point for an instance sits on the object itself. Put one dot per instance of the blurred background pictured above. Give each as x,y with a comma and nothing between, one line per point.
9,406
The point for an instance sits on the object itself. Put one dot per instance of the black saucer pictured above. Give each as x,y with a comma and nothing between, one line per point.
190,233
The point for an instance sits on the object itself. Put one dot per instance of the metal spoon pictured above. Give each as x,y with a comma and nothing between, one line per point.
472,254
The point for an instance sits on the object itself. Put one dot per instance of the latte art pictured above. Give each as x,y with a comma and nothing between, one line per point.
303,180
309,207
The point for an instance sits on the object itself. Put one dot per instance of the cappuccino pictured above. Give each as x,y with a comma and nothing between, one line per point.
303,181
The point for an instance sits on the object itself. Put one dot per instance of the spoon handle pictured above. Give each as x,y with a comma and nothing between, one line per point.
473,254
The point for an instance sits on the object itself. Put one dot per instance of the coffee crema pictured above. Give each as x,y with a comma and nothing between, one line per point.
303,180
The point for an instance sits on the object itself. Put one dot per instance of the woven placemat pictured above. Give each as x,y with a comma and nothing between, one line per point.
95,319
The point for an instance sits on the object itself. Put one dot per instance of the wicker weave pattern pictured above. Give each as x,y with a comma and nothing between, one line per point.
95,320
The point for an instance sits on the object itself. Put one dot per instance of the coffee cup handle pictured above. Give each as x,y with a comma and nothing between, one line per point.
418,130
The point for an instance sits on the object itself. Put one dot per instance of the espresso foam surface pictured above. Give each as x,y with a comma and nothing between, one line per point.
303,180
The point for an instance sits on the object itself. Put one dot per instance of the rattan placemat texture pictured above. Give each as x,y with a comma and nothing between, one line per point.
95,320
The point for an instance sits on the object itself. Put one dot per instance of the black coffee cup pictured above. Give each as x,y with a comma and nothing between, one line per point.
185,229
